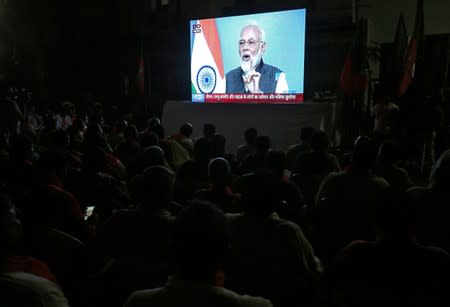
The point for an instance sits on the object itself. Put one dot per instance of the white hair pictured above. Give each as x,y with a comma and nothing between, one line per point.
256,25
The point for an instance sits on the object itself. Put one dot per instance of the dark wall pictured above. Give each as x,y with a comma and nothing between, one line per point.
85,48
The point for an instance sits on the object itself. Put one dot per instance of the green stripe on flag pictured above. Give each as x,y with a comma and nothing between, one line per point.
193,90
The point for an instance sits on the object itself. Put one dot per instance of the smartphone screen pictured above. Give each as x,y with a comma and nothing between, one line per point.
88,212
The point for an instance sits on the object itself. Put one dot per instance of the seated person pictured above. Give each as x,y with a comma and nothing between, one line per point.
199,248
433,204
24,280
387,166
257,160
137,239
193,175
293,204
393,269
249,148
296,149
219,191
313,166
347,198
184,137
270,256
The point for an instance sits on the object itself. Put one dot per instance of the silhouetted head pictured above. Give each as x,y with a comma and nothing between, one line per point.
67,107
202,149
275,162
250,135
262,144
149,139
155,188
152,156
306,133
153,121
218,145
258,193
130,132
200,242
364,153
79,124
209,130
158,129
121,124
186,130
219,171
319,141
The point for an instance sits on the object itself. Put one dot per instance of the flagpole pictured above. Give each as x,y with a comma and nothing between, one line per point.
356,5
353,81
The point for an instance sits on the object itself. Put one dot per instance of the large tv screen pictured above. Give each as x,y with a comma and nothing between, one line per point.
255,58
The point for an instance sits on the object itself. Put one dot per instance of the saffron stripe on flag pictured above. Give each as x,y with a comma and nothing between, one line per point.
209,29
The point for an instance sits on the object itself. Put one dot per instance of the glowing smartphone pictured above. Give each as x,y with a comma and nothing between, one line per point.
88,212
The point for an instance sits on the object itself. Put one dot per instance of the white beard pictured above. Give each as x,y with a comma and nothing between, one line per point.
252,63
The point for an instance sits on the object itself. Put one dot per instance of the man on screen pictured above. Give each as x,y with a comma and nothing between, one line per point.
253,75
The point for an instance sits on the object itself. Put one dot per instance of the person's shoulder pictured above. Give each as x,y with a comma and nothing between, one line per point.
437,257
221,296
400,171
242,147
359,246
417,190
142,297
294,148
47,291
245,300
331,156
356,253
282,226
268,67
379,181
420,194
336,176
233,217
233,73
32,280
393,107
436,251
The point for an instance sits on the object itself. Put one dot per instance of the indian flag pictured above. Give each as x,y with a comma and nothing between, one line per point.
207,73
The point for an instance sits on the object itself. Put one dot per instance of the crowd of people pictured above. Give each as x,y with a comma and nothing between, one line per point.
97,215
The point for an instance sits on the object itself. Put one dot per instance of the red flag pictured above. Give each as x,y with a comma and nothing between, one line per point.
140,77
353,76
414,50
399,53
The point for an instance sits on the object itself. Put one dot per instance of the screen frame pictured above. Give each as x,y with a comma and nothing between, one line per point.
238,101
